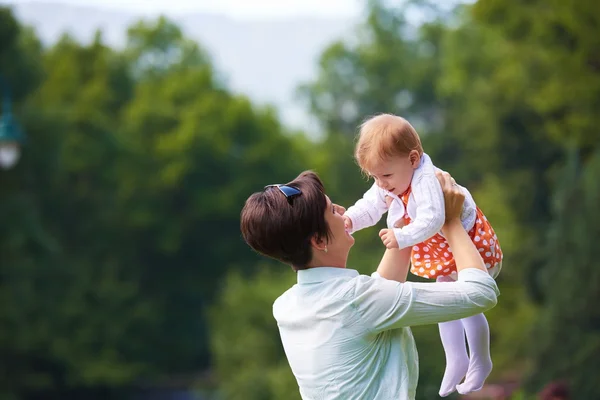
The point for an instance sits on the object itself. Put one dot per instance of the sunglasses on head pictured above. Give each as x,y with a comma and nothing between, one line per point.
289,192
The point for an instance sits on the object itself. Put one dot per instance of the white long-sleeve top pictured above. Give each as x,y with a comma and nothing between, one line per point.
347,336
425,207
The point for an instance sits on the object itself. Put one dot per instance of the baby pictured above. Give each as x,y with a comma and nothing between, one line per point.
389,150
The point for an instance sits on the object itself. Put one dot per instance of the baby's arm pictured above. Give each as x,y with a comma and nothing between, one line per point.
368,210
430,212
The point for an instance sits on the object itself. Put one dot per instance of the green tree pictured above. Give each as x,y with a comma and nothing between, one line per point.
71,305
528,73
245,340
569,329
124,213
194,152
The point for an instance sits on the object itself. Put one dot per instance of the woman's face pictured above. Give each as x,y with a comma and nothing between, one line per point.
340,240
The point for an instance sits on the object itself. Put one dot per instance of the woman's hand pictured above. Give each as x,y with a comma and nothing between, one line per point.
464,251
453,196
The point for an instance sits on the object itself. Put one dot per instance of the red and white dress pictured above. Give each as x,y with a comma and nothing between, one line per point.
433,257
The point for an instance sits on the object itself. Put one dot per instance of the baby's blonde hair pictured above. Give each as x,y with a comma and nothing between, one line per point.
385,136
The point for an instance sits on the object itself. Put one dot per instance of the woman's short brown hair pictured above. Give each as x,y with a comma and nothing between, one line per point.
275,228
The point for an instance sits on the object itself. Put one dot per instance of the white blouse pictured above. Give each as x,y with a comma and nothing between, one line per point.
425,208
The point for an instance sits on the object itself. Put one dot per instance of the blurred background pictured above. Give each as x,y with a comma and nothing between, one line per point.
133,131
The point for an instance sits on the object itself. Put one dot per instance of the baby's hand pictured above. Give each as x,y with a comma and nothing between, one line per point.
347,223
388,238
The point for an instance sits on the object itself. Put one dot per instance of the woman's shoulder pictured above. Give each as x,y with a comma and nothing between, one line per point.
284,299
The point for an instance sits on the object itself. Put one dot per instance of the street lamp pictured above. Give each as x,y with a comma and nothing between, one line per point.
11,136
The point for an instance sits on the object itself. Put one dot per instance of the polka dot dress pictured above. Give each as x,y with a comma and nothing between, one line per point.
433,257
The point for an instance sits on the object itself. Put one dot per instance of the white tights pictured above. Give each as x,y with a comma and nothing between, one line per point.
476,368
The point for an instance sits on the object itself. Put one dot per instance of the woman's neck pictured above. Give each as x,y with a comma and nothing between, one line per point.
328,260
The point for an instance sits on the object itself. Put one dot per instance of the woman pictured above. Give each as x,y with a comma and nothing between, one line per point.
347,336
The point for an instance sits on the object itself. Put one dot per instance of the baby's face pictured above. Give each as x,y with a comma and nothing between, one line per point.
395,174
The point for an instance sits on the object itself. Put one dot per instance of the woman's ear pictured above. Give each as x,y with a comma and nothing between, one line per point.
318,243
415,158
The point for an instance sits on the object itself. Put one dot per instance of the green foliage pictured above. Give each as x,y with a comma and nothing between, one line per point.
124,212
570,320
245,340
120,225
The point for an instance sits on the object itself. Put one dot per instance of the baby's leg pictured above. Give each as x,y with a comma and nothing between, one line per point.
480,361
478,337
457,361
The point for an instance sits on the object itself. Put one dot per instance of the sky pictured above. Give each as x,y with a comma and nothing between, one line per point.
240,9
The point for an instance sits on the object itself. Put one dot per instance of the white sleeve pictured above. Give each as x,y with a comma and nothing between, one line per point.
384,304
368,210
431,215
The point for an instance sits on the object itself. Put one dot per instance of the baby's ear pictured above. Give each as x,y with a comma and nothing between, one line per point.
415,158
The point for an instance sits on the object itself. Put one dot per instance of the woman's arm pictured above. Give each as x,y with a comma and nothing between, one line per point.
384,304
464,251
395,262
